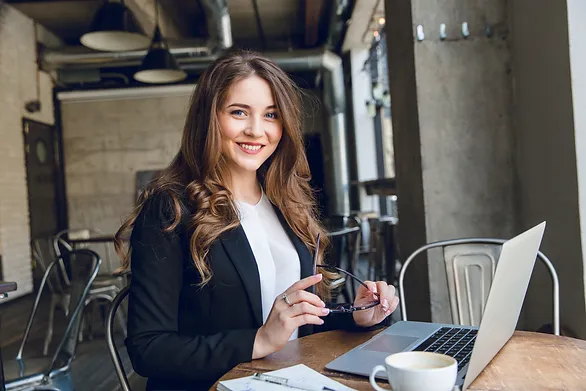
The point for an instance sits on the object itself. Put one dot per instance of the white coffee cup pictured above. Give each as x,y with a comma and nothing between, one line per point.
416,371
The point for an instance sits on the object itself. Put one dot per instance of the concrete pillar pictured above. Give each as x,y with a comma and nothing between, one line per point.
451,103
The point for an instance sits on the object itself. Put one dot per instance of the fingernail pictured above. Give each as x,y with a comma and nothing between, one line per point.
323,304
385,303
322,322
388,312
325,311
319,276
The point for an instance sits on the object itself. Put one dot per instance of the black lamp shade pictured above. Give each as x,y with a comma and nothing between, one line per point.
114,28
159,65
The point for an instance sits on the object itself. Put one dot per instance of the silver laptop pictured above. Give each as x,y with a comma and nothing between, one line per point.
472,347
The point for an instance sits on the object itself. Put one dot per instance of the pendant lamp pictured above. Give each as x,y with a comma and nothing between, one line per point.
159,66
114,28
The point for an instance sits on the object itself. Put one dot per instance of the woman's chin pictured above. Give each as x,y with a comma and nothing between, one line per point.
247,167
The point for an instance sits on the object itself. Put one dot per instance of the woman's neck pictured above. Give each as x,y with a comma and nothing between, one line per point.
245,188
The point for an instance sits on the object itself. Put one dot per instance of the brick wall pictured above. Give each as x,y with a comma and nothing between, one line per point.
17,85
106,140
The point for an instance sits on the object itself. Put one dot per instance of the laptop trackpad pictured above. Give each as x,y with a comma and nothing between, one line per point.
389,343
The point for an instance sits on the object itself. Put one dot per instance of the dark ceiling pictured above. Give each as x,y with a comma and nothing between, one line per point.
256,24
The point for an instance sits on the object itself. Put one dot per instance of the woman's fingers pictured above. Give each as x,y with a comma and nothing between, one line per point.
304,319
304,283
387,296
304,296
305,308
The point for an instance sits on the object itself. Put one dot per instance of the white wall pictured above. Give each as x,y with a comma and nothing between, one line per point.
107,138
577,38
18,84
363,127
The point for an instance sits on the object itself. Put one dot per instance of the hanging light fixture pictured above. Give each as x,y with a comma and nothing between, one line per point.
114,29
159,65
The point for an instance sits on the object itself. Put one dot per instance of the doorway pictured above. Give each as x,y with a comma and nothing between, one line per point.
46,198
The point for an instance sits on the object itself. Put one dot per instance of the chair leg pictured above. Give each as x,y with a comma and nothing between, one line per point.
49,335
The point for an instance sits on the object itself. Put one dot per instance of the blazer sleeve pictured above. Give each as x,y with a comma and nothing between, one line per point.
155,347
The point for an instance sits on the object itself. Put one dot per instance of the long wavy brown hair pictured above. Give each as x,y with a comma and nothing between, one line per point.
198,173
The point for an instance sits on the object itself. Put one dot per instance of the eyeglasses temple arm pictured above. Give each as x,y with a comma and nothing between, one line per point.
350,274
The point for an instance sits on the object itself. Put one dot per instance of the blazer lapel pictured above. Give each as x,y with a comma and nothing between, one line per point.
236,245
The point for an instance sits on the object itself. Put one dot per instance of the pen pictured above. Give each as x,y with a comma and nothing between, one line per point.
288,382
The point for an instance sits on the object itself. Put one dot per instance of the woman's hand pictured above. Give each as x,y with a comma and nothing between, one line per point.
375,315
284,319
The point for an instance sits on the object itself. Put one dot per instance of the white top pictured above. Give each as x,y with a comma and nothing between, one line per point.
276,257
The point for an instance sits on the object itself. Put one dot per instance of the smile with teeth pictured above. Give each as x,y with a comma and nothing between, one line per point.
250,147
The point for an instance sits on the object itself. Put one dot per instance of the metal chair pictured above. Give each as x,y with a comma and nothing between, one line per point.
105,287
382,260
54,372
337,223
43,254
468,259
114,355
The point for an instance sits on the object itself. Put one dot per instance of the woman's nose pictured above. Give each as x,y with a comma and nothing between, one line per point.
255,128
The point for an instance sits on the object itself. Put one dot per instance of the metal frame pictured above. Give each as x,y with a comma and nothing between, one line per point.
59,295
52,371
114,355
445,243
105,287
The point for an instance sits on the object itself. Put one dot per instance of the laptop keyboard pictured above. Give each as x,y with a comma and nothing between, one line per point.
452,341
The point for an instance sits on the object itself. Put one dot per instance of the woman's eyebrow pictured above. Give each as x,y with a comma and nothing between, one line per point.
244,106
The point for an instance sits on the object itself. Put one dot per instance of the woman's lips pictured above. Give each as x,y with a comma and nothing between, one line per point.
251,149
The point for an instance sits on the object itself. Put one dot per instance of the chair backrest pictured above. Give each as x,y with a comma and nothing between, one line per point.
383,247
470,268
114,355
345,233
84,265
43,254
110,262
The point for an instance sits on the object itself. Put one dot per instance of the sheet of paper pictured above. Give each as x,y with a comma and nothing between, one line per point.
301,373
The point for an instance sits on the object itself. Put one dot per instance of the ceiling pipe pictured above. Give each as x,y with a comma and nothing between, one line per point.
81,58
219,25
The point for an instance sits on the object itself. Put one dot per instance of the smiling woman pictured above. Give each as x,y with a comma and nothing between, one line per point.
220,243
250,131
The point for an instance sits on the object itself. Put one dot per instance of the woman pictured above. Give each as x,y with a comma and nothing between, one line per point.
221,242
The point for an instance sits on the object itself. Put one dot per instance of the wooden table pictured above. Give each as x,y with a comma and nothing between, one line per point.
529,361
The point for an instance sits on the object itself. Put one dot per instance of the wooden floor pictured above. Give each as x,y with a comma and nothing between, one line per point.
92,368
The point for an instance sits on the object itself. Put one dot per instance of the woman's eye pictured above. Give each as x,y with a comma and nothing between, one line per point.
237,112
272,115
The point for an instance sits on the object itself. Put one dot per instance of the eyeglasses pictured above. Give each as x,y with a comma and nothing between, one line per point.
343,307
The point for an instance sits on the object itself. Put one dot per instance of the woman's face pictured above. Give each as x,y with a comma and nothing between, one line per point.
250,125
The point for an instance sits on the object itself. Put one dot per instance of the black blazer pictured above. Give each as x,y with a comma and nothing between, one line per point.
184,337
